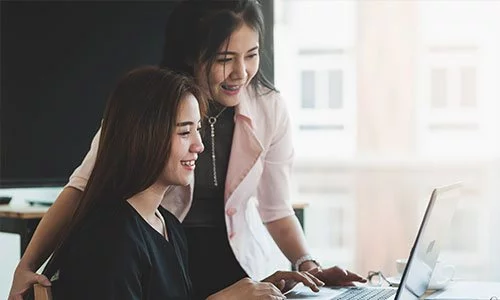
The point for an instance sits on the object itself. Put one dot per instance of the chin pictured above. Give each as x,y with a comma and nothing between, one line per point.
231,102
185,181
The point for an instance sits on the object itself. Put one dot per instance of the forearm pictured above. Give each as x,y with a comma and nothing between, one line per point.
49,231
290,238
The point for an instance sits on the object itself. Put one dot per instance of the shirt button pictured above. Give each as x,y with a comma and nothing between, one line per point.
231,211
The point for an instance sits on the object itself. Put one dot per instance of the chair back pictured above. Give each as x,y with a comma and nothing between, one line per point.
42,292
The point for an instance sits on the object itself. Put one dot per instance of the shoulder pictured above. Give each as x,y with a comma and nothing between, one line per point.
267,103
265,95
113,229
271,109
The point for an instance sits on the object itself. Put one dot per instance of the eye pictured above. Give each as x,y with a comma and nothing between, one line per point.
223,60
184,133
253,55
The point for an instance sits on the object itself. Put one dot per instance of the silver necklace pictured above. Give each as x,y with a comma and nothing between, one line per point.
212,121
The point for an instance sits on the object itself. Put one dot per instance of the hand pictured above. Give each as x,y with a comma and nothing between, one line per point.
248,289
286,280
336,276
23,280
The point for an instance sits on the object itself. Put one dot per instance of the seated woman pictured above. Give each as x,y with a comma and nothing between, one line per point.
121,243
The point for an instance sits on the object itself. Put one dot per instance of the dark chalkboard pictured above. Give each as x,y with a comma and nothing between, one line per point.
59,61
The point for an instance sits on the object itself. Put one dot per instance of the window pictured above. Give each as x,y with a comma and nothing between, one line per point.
308,89
316,72
322,89
457,98
336,90
438,87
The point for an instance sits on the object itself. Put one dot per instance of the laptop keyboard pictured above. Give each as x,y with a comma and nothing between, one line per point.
365,294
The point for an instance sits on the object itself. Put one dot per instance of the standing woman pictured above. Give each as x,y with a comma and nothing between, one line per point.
249,150
241,189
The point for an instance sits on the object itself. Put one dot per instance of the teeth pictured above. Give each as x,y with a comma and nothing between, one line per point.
188,163
231,88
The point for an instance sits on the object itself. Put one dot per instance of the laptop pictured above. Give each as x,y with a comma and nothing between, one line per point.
434,227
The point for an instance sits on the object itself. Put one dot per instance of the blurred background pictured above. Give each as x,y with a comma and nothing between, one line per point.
389,99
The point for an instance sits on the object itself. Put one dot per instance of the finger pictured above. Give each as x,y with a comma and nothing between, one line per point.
355,277
43,280
316,280
274,278
344,271
281,284
15,297
305,279
314,271
273,290
18,295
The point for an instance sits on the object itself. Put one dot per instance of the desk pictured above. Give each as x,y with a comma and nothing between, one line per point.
458,290
24,219
478,290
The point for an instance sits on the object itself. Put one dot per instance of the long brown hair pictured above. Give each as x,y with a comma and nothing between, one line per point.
135,141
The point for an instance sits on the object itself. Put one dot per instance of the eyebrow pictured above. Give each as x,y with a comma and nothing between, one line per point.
234,53
186,123
180,124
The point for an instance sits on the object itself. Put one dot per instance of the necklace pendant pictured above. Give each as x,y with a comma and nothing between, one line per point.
212,135
212,121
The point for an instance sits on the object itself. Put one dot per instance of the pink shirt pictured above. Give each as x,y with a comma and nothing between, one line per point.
257,188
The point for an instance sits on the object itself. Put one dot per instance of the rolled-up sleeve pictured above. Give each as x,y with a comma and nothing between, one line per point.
81,174
274,190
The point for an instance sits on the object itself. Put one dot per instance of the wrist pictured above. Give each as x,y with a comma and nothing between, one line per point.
24,266
306,263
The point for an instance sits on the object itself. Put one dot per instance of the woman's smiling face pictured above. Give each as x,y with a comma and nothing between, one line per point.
235,65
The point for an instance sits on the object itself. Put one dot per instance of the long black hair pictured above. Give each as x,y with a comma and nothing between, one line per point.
197,29
135,142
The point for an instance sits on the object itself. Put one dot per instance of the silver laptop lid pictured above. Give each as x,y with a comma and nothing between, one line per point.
424,254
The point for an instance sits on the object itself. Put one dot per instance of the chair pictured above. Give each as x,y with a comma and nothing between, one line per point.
42,292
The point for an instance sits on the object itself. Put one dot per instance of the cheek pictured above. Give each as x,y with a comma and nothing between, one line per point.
217,75
253,67
175,150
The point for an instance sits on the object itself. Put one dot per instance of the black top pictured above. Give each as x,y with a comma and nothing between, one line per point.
207,209
117,255
213,265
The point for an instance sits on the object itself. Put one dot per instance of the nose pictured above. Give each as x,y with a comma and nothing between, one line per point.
239,70
197,144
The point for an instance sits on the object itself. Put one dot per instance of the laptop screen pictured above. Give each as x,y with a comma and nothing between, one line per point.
425,251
